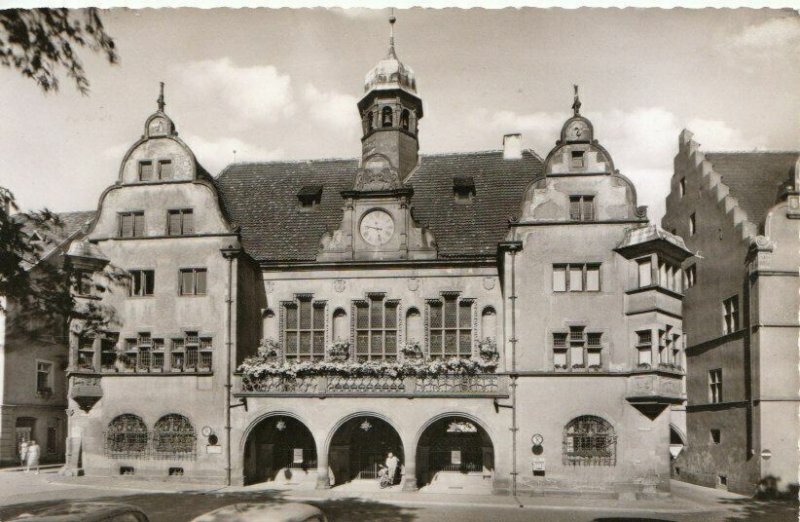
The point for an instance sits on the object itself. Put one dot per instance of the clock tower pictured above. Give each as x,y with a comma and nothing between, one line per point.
377,223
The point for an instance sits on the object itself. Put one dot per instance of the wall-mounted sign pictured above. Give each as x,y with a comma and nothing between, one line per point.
537,439
455,457
766,454
214,450
538,464
298,456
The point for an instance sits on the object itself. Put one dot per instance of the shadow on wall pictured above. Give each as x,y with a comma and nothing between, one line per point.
768,489
184,506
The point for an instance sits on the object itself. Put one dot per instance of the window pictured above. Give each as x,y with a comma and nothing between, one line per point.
193,281
589,441
594,349
670,276
85,353
576,278
126,436
108,355
577,159
131,224
51,439
369,121
174,437
676,351
645,272
644,347
665,348
304,329
560,351
450,327
142,283
577,349
180,222
715,385
376,329
682,187
386,117
310,196
691,276
44,378
692,224
581,208
83,282
463,189
716,436
730,315
146,172
165,170
404,119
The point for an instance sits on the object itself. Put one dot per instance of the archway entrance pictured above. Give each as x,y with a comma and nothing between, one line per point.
280,449
360,446
455,453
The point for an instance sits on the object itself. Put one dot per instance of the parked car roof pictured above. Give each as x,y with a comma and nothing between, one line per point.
252,512
84,511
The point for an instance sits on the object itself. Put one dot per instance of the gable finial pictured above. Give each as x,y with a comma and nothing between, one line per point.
576,104
392,20
161,102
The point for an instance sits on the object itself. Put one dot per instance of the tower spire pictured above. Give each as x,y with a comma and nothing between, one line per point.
161,102
576,104
392,20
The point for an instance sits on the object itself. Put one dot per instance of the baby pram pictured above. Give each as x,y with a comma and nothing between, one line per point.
383,477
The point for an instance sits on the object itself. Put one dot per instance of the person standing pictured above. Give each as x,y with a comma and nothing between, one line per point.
23,453
33,457
391,463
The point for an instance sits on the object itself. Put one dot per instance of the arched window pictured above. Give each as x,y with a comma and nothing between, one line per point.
174,437
589,441
126,437
404,118
386,117
340,325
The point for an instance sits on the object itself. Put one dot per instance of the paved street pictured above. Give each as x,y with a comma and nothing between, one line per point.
175,502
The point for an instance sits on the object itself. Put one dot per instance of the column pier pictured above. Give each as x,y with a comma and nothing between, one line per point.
323,476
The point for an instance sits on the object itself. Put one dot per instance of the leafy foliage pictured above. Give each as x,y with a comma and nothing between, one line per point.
40,43
36,281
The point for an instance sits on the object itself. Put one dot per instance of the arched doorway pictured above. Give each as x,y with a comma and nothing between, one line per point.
455,452
280,448
360,446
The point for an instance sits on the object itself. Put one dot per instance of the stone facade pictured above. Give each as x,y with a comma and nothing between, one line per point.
560,327
735,210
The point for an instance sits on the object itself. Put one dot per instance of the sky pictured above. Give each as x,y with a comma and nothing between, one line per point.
282,84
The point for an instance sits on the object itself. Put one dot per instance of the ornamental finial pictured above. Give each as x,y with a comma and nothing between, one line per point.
576,104
161,101
392,20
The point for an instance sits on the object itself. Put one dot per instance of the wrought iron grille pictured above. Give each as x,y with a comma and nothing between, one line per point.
173,437
589,441
126,437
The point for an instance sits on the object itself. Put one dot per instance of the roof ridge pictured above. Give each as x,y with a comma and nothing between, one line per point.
753,152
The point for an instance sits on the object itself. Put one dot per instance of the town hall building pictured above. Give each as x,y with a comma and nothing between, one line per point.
497,320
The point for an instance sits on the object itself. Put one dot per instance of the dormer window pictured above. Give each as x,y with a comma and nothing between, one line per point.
386,117
463,189
577,159
146,171
404,119
310,196
581,208
165,169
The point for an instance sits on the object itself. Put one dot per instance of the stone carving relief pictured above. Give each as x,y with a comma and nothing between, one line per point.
339,285
488,283
377,173
413,284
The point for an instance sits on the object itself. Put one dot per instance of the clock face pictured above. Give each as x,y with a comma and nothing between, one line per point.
377,227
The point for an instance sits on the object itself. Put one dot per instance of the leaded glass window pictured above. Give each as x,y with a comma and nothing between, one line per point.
304,329
589,441
376,329
126,437
450,327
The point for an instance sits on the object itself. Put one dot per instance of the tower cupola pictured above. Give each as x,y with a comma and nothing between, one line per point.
390,111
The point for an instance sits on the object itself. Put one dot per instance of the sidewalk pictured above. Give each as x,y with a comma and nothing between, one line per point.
680,502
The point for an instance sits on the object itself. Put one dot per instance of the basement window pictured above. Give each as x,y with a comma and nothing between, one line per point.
463,189
309,197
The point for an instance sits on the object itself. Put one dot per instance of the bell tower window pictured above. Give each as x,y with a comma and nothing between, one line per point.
386,117
370,121
404,119
577,159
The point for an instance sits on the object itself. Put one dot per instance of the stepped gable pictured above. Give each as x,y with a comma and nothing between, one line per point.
754,178
261,198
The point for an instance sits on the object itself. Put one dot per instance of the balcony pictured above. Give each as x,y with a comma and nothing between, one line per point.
651,393
464,386
86,391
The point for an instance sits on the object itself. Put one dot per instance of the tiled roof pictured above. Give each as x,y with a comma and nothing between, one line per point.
754,178
54,237
262,199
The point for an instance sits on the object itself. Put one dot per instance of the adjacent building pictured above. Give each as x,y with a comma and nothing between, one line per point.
499,321
739,212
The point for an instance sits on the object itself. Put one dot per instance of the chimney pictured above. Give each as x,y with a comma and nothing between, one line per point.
512,147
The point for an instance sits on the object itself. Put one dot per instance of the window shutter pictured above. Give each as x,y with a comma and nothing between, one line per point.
188,222
126,225
588,208
174,223
138,224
